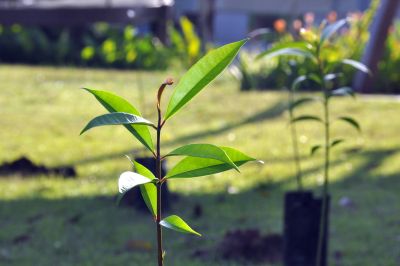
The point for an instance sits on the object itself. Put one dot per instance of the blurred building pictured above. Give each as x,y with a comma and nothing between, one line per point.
233,19
76,14
86,3
219,21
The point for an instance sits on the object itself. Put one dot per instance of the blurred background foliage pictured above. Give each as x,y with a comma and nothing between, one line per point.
351,41
272,74
127,47
100,45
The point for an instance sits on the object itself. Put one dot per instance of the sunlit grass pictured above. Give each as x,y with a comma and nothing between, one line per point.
42,112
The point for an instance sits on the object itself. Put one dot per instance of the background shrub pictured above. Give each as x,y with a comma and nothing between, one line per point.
100,45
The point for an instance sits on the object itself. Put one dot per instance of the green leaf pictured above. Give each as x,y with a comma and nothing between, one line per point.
176,223
290,48
343,91
297,81
332,29
336,142
306,118
201,74
314,77
149,195
114,103
286,52
299,45
351,121
203,151
357,65
143,170
314,149
148,190
193,166
116,119
332,76
128,180
300,102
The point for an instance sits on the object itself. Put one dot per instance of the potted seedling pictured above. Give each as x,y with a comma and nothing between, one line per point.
199,159
307,218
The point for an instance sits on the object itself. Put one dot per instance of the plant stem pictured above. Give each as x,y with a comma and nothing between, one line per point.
295,143
159,229
327,149
159,159
325,190
158,174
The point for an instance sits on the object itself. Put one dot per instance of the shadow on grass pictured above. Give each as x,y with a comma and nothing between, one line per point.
93,231
372,159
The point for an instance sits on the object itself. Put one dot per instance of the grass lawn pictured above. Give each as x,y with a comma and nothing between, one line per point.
52,221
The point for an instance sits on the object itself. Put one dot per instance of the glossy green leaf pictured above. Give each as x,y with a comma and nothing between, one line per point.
193,166
143,170
203,151
332,29
286,52
300,102
176,223
343,91
351,121
357,65
148,190
290,48
114,103
336,142
299,45
296,83
201,74
128,180
149,195
116,119
306,118
314,149
122,195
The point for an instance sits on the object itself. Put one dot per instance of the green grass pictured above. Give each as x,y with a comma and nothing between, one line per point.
42,112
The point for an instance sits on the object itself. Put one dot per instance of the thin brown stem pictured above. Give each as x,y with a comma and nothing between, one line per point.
325,191
158,174
295,143
324,209
163,122
159,158
159,229
159,177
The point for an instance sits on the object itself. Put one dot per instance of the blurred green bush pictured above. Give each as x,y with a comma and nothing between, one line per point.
100,45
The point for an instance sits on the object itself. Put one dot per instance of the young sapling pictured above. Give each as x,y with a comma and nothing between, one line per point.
199,159
325,72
